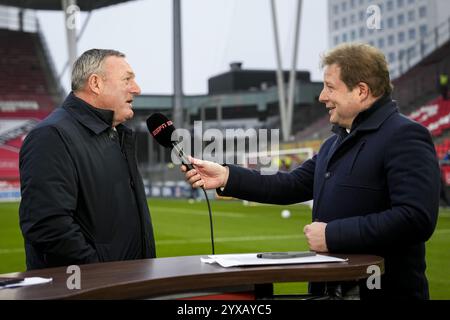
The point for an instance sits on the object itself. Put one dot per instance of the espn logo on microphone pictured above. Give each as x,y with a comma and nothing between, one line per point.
161,127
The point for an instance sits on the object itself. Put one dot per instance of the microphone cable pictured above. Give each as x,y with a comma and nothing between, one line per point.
210,221
162,129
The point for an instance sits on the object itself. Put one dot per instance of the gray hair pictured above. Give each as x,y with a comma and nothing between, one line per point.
88,63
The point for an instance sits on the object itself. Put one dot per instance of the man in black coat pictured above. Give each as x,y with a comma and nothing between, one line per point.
83,199
375,182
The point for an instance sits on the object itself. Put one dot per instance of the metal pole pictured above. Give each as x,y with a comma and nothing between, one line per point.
280,78
290,104
70,10
177,66
85,23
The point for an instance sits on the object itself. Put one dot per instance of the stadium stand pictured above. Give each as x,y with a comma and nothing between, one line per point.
13,128
25,76
27,95
435,116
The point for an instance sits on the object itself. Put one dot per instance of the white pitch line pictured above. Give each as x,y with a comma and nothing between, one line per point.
444,214
200,212
230,239
204,240
442,231
14,250
223,239
250,238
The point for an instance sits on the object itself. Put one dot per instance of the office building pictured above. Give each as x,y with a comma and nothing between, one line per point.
405,30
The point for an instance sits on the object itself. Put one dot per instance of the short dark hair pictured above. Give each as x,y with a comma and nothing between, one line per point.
361,63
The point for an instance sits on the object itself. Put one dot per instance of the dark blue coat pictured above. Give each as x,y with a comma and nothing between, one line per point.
377,188
83,199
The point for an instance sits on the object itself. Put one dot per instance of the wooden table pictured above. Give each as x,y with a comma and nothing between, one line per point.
140,279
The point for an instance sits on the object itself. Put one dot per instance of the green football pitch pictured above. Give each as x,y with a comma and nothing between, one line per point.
182,228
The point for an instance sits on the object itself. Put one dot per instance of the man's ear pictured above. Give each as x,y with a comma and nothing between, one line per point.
363,91
94,83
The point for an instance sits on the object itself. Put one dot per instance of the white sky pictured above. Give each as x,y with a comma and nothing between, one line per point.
214,33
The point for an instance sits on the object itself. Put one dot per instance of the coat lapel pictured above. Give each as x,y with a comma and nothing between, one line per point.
371,123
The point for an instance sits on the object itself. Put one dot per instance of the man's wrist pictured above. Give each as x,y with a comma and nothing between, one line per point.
226,175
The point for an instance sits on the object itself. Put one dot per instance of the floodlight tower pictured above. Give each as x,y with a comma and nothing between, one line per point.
70,8
177,66
286,106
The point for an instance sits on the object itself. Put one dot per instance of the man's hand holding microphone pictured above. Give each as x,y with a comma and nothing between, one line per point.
206,174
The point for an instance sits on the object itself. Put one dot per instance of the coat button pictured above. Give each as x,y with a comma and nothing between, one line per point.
327,175
131,183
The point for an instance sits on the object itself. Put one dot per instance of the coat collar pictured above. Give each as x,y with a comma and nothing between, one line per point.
97,120
372,118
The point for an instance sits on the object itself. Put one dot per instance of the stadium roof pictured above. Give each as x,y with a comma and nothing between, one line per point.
85,5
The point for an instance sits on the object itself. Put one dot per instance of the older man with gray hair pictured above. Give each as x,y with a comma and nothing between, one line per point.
83,199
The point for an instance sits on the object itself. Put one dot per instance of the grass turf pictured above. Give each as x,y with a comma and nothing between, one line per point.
182,228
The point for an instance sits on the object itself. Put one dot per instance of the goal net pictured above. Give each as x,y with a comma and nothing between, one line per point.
280,160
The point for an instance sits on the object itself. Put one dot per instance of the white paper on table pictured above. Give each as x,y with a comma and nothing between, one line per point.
28,282
250,259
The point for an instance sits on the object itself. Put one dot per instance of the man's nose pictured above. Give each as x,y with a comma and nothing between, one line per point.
323,98
135,89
